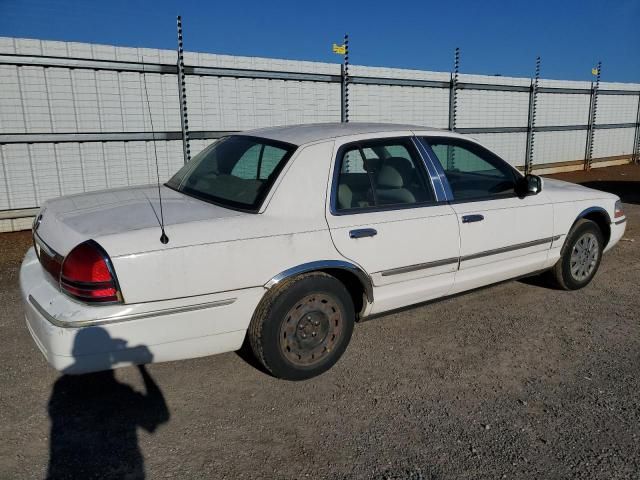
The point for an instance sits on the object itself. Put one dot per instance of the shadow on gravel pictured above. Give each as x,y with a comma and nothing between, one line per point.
94,421
628,191
246,354
541,280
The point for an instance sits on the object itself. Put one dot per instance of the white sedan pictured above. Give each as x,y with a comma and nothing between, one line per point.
287,236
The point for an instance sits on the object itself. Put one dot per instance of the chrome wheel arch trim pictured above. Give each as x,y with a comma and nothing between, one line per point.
321,265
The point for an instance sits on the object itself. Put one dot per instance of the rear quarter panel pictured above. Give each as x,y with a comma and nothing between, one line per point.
241,251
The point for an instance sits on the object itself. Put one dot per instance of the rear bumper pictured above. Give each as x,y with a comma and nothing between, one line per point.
79,338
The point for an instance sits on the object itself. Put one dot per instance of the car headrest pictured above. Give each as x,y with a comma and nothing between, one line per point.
400,163
345,196
372,164
404,167
389,177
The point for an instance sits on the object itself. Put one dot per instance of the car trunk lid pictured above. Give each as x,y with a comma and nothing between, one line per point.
65,222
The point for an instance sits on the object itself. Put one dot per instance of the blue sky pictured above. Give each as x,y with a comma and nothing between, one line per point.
495,37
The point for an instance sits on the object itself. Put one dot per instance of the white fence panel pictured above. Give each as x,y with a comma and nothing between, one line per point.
62,90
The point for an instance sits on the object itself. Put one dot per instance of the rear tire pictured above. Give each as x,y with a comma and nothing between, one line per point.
580,256
302,327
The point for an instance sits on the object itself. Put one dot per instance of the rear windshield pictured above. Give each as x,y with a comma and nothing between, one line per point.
235,172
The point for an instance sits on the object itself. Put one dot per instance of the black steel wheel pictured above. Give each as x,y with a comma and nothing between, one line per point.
301,328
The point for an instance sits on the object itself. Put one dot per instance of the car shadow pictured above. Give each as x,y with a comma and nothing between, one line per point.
246,354
540,280
94,418
628,191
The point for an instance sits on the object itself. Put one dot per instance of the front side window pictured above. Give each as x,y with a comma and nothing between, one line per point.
473,171
380,173
236,171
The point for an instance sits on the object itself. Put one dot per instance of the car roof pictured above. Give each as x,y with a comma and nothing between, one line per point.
313,132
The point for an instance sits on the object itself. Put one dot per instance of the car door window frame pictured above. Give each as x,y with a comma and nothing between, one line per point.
419,163
424,140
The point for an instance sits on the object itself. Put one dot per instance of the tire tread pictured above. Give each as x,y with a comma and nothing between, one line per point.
262,313
557,272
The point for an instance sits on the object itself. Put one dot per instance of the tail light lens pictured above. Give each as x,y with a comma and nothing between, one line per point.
618,211
87,274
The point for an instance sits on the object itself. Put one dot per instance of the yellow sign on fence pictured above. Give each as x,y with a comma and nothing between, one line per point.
339,49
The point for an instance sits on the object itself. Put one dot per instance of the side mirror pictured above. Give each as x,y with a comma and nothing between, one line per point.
529,185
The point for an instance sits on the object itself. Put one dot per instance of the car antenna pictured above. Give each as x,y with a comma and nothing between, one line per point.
163,237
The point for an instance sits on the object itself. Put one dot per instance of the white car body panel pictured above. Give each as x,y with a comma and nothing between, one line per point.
402,234
197,294
528,220
403,237
167,329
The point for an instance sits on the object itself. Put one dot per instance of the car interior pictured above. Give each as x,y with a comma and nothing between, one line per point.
472,174
238,170
380,175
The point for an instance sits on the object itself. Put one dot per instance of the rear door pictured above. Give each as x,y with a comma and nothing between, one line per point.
383,215
501,235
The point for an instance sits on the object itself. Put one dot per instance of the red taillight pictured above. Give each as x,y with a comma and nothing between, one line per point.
87,274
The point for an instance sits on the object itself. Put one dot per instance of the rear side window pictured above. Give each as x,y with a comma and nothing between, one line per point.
258,162
235,172
380,173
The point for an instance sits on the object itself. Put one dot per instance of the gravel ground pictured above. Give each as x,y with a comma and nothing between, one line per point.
517,380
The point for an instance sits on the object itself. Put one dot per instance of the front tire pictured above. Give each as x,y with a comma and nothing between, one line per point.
580,256
301,328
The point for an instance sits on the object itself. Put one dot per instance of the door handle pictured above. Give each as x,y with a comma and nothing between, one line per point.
363,232
472,218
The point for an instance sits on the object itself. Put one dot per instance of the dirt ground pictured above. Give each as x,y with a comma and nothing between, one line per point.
513,381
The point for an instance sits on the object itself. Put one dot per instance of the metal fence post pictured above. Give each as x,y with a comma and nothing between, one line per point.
182,94
531,120
453,107
453,91
635,158
593,107
344,73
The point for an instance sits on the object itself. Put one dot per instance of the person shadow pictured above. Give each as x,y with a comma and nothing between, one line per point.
95,418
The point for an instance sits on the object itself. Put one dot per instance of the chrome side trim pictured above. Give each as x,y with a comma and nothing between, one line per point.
364,278
620,221
436,182
435,167
126,318
555,239
419,266
448,261
510,248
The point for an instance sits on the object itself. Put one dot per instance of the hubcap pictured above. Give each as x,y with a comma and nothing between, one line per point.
584,256
311,329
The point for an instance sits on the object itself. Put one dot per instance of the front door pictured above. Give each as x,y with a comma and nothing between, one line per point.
501,235
383,215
